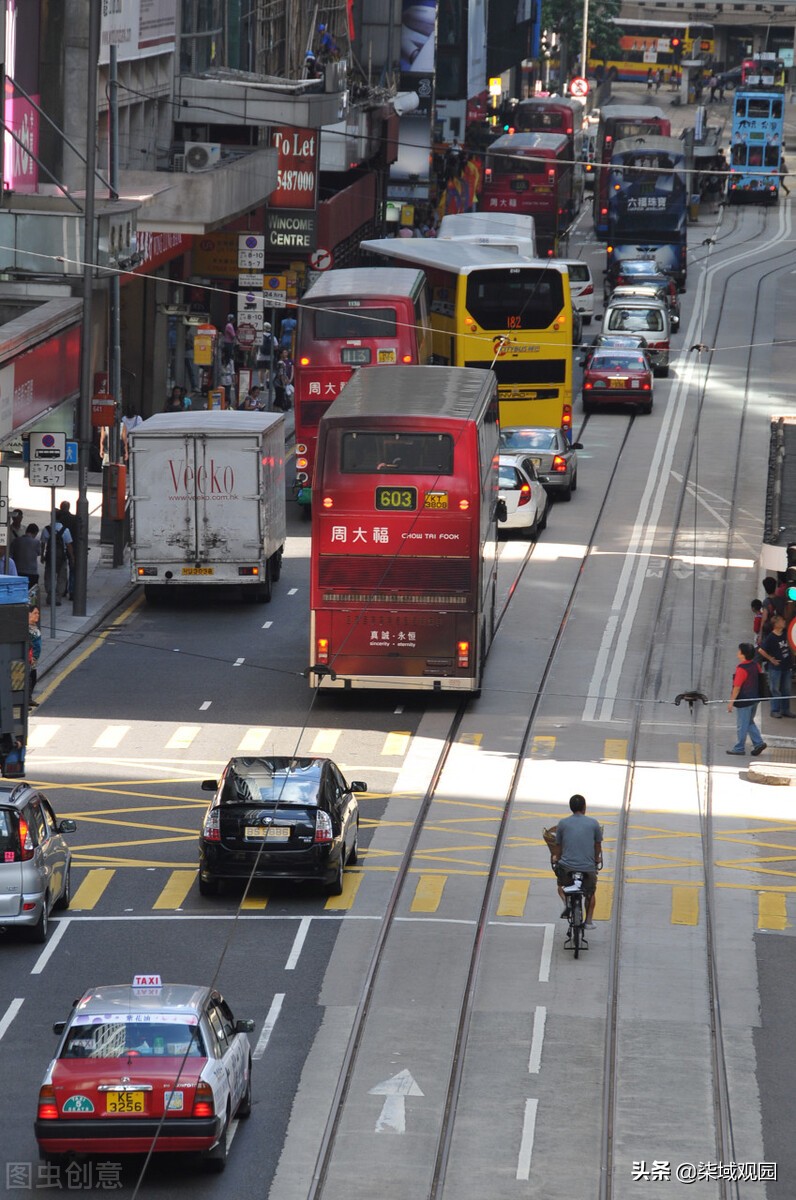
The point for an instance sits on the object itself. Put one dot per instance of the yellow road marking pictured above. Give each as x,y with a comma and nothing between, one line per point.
40,735
689,754
603,906
351,882
84,654
176,889
112,737
253,901
513,895
470,739
428,893
91,889
396,742
325,741
685,905
615,749
253,740
771,911
182,737
543,746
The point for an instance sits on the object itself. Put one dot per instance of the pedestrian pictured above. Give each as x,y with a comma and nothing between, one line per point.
744,698
7,564
757,619
658,80
16,523
283,379
328,47
229,340
775,650
251,401
34,652
286,331
713,84
772,604
174,402
721,89
61,544
783,171
650,79
25,552
266,352
69,521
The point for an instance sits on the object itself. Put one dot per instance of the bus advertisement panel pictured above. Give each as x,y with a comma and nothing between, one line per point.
403,561
535,174
490,309
352,318
656,45
619,121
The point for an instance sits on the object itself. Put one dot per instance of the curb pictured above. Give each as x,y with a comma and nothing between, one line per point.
66,647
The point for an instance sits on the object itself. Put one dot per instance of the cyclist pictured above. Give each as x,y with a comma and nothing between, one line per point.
579,847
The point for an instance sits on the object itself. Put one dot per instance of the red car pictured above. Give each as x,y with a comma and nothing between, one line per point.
617,377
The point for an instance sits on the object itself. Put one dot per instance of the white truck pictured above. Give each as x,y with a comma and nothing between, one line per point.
207,501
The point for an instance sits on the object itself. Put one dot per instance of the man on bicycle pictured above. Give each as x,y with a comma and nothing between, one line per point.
579,847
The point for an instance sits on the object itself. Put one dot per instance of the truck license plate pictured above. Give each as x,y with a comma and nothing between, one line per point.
198,570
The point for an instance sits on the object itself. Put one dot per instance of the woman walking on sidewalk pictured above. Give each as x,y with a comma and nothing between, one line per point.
34,652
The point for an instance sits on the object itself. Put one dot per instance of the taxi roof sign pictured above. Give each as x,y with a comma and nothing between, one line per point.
147,981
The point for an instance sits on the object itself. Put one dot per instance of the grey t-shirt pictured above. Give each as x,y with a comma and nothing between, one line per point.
577,836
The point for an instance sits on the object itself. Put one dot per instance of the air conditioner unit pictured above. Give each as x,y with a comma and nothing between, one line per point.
202,156
178,163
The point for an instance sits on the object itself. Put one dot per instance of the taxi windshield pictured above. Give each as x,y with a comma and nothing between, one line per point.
116,1038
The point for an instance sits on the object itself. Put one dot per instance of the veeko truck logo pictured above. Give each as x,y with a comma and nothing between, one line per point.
212,480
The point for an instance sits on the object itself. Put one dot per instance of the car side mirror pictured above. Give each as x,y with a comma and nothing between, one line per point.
67,825
358,786
581,362
501,512
246,1026
209,785
576,446
59,1026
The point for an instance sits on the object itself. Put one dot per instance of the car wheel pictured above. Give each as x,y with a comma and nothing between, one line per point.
587,405
208,887
574,481
276,565
566,493
64,900
216,1159
587,320
532,532
543,518
263,590
662,372
353,854
38,932
245,1106
335,888
646,409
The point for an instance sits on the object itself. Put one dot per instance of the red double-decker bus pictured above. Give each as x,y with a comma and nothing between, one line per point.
403,565
534,174
357,317
618,121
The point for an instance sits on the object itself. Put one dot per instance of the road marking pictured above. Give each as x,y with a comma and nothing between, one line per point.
526,1143
40,735
399,709
470,739
396,742
92,887
267,624
428,893
604,902
685,905
52,944
542,746
239,662
351,883
298,943
547,954
203,707
537,1040
254,903
771,911
513,896
253,741
615,750
9,1014
176,889
268,1025
112,737
325,741
292,591
689,754
182,737
392,1118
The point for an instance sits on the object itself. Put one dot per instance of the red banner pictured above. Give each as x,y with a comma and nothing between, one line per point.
297,169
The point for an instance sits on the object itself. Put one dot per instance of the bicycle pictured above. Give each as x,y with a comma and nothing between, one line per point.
576,905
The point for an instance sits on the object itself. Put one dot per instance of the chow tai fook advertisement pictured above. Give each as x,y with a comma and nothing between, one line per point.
438,535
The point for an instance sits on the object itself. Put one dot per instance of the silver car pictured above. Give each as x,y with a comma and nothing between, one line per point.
35,860
550,451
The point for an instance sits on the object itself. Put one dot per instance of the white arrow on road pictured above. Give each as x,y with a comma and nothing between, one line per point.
392,1118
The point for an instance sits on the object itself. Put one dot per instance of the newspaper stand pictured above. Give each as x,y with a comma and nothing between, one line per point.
14,675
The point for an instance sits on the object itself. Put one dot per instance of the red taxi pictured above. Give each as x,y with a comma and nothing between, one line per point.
617,377
129,1055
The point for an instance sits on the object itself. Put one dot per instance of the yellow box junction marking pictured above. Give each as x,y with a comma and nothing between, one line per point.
351,882
253,902
605,901
771,911
325,741
91,889
543,746
615,749
513,896
176,889
470,739
253,740
685,905
396,742
689,754
428,893
182,737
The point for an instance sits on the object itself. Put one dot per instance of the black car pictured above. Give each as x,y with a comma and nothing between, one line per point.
279,818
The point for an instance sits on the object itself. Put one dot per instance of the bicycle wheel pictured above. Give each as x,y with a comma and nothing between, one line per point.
577,923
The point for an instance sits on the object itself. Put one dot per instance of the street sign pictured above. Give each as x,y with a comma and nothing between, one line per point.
250,279
579,86
48,447
251,252
275,291
47,474
320,259
247,335
71,454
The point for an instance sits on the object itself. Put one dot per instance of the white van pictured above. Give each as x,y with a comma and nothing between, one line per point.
647,317
581,286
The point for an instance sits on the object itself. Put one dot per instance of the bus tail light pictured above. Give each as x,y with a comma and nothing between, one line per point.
462,654
566,418
464,505
407,358
488,175
301,448
327,502
322,650
525,494
211,830
304,361
559,463
603,212
551,174
203,1105
48,1108
302,463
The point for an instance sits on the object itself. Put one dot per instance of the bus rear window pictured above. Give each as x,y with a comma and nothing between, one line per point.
515,299
333,323
513,164
397,454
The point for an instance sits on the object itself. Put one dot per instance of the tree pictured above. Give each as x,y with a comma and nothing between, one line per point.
565,18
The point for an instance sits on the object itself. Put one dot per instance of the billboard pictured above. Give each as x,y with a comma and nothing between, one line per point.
137,28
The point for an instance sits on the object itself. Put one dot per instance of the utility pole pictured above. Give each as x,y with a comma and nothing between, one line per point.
584,46
84,402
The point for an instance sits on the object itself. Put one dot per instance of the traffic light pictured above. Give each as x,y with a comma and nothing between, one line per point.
790,574
676,44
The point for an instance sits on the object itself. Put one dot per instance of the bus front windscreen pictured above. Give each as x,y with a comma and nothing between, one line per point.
517,298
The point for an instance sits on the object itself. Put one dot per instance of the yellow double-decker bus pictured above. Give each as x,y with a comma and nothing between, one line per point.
490,308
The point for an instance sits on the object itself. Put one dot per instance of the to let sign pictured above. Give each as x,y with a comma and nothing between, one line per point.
297,167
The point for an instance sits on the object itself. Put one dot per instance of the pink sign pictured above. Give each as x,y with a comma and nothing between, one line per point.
20,170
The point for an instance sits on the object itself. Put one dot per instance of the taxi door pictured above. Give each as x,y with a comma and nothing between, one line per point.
233,1049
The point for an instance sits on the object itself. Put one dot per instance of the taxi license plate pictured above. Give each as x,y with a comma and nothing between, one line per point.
270,833
198,570
124,1102
618,383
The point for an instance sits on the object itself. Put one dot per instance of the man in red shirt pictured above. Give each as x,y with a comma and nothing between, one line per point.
744,699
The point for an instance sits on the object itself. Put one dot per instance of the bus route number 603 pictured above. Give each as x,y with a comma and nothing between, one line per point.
392,499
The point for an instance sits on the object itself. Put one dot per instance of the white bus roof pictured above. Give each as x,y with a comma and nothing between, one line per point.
362,282
461,225
451,255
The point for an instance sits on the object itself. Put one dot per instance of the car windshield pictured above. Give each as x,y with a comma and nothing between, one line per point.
261,786
618,362
528,439
647,319
116,1036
